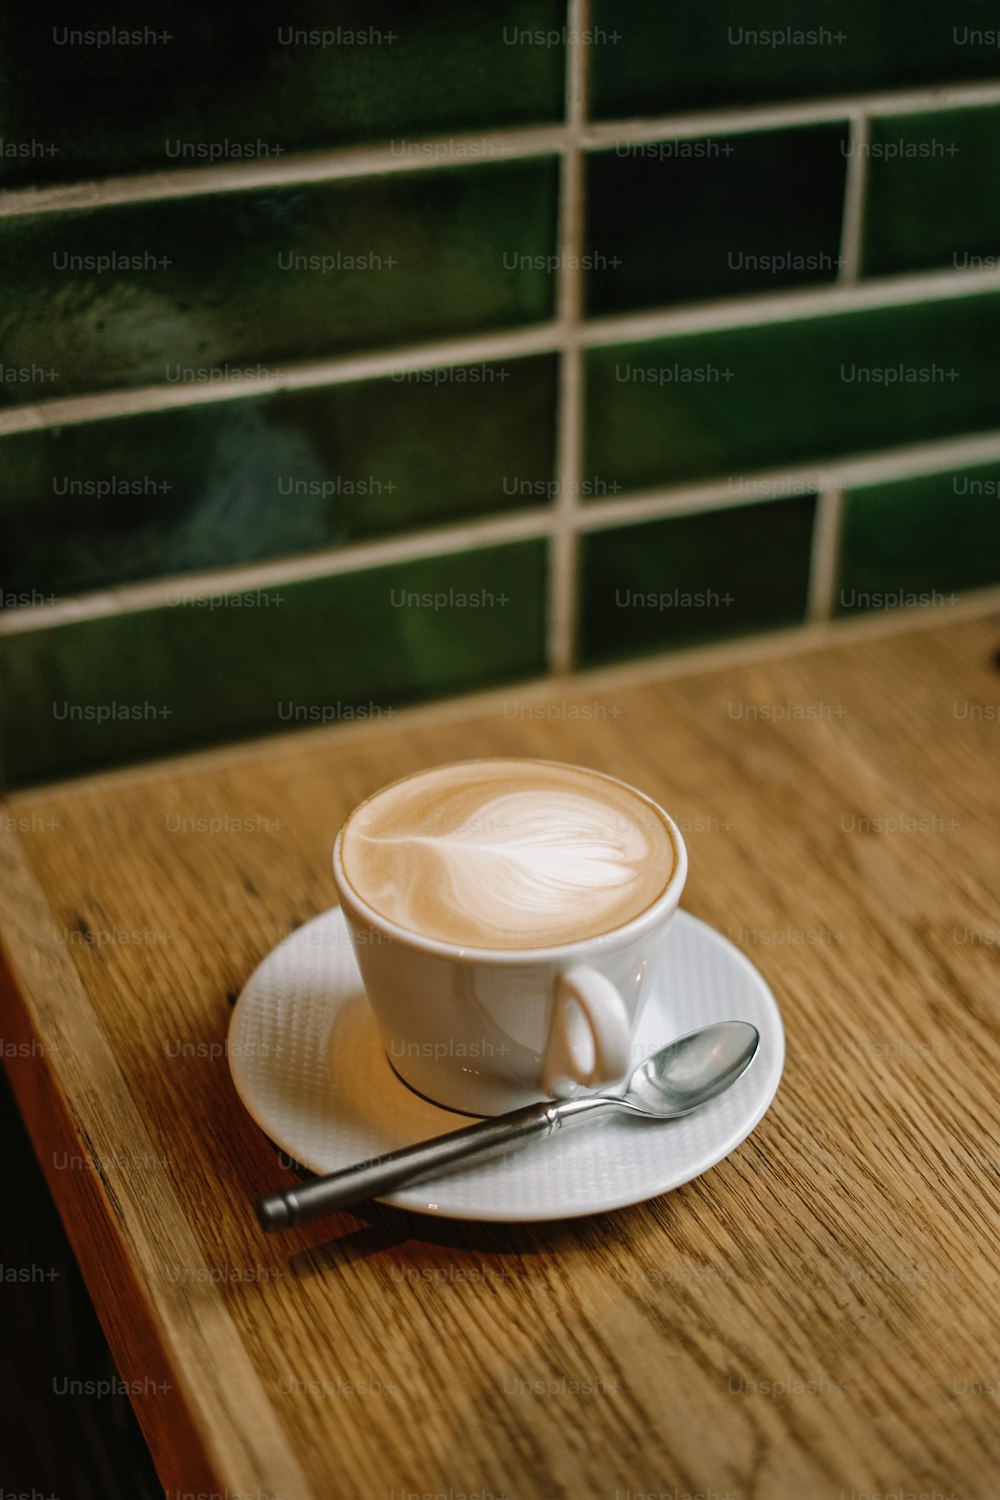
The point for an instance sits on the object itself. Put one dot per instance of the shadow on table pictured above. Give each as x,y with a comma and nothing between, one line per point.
390,1229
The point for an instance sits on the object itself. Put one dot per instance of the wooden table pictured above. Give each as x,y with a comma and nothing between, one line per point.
816,1317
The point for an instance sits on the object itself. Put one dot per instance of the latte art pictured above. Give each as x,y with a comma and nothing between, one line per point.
507,854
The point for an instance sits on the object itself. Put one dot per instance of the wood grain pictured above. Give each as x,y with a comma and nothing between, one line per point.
817,1316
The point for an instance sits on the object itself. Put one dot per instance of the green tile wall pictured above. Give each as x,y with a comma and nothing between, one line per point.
652,58
928,537
297,77
719,403
684,580
930,191
249,280
83,507
715,217
179,355
126,686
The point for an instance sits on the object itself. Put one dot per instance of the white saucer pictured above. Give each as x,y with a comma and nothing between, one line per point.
308,1064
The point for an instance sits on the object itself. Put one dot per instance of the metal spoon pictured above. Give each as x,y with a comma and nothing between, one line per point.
679,1078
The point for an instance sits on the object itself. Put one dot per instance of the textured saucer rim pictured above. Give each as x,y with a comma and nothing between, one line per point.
771,1053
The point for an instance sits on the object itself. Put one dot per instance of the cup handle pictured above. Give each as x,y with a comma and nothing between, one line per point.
583,992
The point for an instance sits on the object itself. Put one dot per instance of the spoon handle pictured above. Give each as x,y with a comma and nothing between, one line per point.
434,1158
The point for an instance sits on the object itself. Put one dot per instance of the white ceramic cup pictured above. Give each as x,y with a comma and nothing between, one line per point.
484,1030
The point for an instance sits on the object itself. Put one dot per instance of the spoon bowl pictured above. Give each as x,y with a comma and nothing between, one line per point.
686,1073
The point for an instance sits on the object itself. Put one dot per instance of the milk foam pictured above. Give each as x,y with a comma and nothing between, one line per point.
508,853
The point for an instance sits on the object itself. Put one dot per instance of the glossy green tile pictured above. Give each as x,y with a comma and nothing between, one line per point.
227,80
695,578
187,291
928,203
716,217
83,507
651,58
126,686
920,541
728,402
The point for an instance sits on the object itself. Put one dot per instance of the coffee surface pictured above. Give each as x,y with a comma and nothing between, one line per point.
507,854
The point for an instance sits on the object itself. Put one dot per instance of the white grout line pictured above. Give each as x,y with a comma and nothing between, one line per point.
196,589
855,184
404,155
602,135
688,499
541,338
652,671
759,486
396,157
824,568
632,509
564,545
718,494
774,307
809,636
914,460
562,591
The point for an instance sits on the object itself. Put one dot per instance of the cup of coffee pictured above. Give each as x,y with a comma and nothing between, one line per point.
507,917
